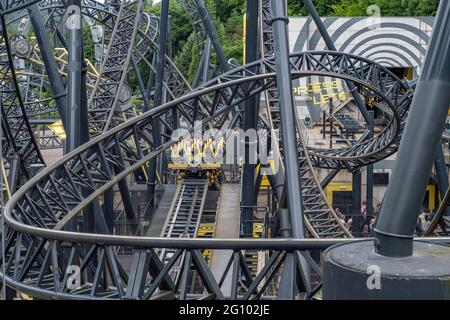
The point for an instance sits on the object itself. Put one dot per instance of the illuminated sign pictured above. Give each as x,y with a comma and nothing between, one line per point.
320,91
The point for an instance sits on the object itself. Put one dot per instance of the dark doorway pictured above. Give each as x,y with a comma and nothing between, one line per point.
343,201
403,72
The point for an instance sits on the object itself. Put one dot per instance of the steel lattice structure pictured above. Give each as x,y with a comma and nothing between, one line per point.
46,233
96,167
19,136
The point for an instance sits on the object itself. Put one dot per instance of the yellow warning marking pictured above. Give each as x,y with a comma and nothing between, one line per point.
5,180
23,296
257,230
58,129
206,229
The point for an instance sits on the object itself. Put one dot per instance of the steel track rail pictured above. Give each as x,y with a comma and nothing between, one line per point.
197,25
38,212
185,100
362,153
38,107
320,219
103,103
18,132
174,82
184,246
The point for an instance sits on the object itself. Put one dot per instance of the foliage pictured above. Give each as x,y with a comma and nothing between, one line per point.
228,18
324,7
387,7
186,59
180,25
88,44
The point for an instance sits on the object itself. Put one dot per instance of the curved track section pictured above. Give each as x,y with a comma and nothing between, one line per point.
336,63
109,89
320,218
38,250
175,83
17,130
200,33
352,157
40,108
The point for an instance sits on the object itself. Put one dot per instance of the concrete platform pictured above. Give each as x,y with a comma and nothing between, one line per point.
227,227
51,155
164,207
355,271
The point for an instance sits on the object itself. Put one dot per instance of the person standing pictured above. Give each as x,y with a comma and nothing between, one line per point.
363,214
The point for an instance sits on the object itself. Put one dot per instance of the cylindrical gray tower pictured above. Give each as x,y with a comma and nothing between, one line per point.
394,266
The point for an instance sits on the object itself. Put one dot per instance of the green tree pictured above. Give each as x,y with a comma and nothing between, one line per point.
186,59
426,8
324,7
228,19
387,7
180,25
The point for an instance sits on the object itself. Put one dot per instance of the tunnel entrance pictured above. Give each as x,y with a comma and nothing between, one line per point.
403,72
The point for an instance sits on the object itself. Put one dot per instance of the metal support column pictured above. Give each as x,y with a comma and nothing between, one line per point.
151,80
74,93
331,123
356,201
287,113
14,173
369,185
207,60
330,176
212,33
250,116
201,76
74,85
404,195
76,118
176,119
158,94
441,173
108,209
324,125
46,50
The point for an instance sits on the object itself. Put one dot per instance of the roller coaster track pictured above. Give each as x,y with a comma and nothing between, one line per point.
38,250
103,13
175,83
199,30
266,43
329,160
361,153
109,88
320,219
38,107
184,219
320,158
17,130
